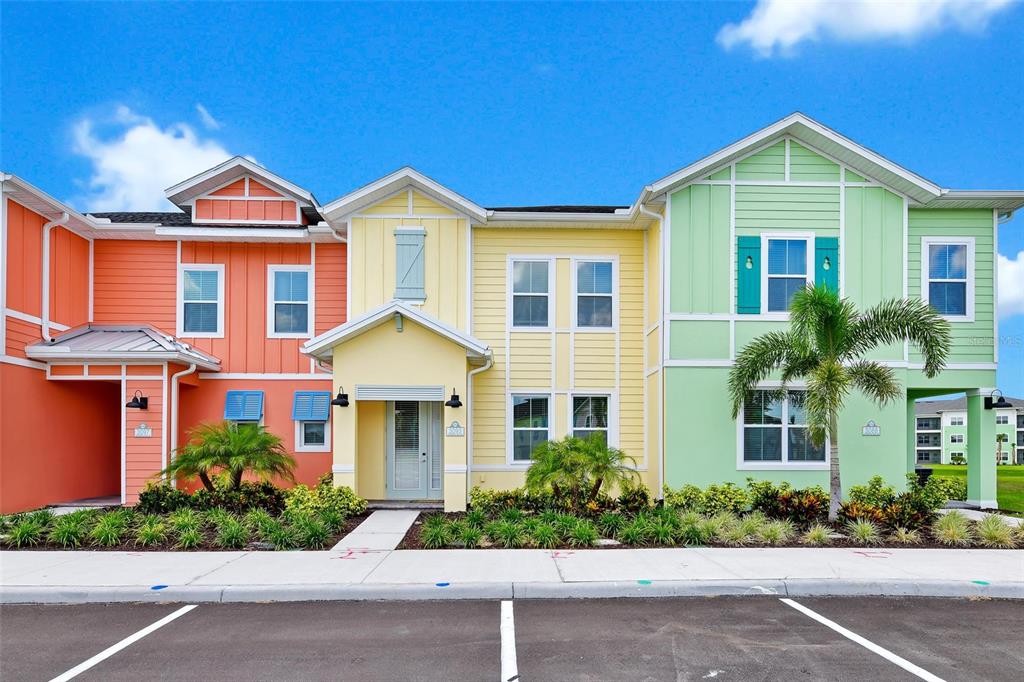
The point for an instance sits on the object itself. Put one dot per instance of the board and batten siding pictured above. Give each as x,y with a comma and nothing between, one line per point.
972,341
559,361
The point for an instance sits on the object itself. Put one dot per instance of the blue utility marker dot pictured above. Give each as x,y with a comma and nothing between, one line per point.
979,582
644,582
158,587
442,584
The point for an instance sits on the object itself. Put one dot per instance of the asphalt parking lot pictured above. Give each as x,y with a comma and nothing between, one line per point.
746,638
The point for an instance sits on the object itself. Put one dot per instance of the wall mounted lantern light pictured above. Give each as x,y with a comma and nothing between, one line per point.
454,400
138,402
992,403
341,400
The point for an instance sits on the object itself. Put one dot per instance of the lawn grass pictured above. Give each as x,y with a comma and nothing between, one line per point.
1009,483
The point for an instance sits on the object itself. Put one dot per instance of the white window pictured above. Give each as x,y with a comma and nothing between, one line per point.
531,293
956,421
928,424
530,424
312,437
926,456
311,411
789,269
595,284
590,415
947,277
956,438
201,301
289,302
774,433
1002,419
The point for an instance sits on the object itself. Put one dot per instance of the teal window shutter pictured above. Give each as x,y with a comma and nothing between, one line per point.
826,262
409,266
311,406
243,406
748,275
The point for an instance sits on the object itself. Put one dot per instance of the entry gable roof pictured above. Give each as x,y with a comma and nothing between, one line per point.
818,136
370,194
114,342
320,347
223,173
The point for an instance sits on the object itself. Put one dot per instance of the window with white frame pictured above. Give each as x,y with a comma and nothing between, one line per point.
947,278
787,272
311,411
590,416
956,421
594,294
775,430
531,293
288,301
530,424
201,301
956,438
1002,419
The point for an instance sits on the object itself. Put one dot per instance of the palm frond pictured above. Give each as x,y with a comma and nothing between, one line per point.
876,381
756,361
817,313
827,387
897,320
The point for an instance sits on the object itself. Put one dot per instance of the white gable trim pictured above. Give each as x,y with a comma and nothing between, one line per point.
389,185
221,174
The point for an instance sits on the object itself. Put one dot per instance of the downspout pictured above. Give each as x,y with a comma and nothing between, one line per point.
174,410
44,313
661,350
469,420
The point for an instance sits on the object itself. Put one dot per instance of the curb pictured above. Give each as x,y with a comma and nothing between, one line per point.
509,590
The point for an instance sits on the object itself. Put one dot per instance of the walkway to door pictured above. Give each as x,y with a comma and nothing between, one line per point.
383,529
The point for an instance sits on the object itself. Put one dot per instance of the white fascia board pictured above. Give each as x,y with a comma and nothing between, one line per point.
183,190
64,355
403,177
42,203
233,233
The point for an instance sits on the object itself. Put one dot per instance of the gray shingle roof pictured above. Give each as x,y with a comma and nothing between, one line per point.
955,405
184,219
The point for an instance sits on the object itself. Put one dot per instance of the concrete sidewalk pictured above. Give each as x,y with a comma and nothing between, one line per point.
88,576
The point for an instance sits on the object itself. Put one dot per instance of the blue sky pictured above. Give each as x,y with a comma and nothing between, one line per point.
507,104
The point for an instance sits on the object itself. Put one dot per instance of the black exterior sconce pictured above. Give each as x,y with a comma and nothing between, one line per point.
454,400
992,403
341,400
138,402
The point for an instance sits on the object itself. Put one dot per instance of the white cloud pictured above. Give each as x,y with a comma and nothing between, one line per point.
134,160
777,26
207,118
1011,285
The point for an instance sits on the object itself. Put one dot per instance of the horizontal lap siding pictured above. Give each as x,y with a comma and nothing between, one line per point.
767,164
19,335
806,166
135,282
972,341
766,208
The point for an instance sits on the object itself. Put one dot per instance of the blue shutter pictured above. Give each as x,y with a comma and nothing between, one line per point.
243,406
748,275
311,406
409,264
826,262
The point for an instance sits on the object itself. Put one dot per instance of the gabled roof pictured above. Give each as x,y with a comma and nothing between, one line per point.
321,346
805,129
225,172
119,343
370,194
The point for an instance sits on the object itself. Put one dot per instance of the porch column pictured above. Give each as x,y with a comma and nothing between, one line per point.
345,444
455,451
981,449
911,435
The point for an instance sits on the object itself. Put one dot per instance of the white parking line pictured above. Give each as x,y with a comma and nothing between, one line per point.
126,642
509,669
870,646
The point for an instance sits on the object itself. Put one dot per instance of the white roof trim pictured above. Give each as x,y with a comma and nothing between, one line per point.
35,199
804,129
377,190
321,345
218,175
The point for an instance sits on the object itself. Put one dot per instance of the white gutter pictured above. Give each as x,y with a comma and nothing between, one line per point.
44,315
469,421
661,348
174,409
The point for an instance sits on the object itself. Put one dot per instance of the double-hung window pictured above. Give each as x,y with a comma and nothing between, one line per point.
201,301
590,416
787,272
530,420
531,293
1002,419
956,421
594,294
957,438
948,284
775,431
311,411
289,301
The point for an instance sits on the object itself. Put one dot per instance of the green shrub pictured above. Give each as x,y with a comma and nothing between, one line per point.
511,515
694,529
161,498
434,536
492,502
231,534
712,500
609,523
905,536
68,531
635,533
949,487
281,536
860,511
257,518
506,534
151,533
545,536
184,519
25,533
109,530
864,532
333,519
777,532
325,496
564,523
687,498
802,507
583,534
469,536
875,493
818,535
953,529
633,498
994,531
312,533
189,538
662,532
41,517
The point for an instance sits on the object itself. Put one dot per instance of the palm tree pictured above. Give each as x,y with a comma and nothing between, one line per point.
825,347
234,448
603,464
579,466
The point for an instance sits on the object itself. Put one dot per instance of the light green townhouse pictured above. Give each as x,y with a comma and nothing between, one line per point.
798,203
942,432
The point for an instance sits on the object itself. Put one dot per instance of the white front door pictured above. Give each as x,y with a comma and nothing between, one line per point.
414,450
